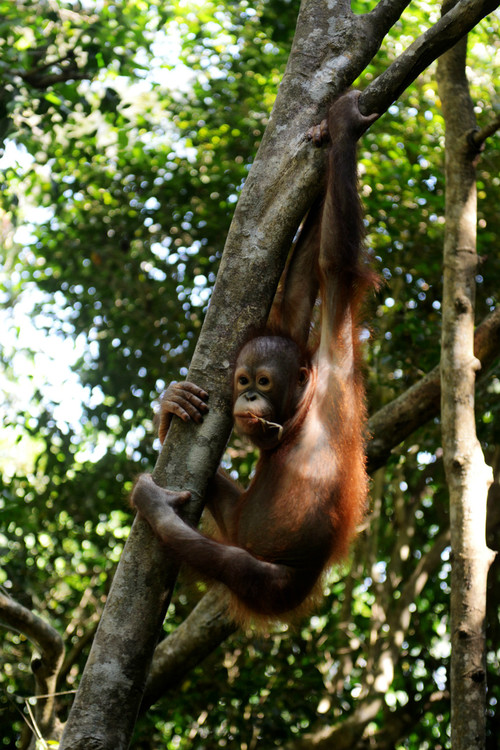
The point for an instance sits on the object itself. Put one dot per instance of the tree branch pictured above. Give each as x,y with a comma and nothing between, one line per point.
479,136
47,640
451,27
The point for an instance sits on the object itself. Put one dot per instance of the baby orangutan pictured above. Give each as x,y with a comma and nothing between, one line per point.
300,403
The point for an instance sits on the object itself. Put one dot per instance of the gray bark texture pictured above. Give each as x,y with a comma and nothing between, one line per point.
332,47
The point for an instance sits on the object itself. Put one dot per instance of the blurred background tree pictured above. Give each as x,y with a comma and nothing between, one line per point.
128,130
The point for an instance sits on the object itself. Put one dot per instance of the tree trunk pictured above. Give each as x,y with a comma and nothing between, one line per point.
467,475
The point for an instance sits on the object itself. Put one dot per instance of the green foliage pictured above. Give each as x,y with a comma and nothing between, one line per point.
113,224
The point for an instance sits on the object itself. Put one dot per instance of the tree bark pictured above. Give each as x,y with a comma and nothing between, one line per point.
331,48
467,475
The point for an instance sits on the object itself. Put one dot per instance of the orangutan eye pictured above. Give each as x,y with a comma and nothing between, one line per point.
242,380
264,381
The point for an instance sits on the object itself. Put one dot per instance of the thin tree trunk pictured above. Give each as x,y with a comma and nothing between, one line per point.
467,474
